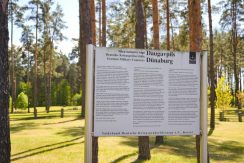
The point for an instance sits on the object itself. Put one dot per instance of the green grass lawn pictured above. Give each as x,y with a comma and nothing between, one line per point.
51,139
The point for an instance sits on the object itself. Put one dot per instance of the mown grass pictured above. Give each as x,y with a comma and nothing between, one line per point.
51,139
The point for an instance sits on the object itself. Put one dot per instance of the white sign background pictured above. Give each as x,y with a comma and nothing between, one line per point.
146,92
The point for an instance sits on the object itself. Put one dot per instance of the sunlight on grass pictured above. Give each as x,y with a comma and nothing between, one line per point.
52,139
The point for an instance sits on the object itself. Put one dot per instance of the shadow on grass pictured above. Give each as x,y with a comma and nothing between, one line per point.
133,142
22,126
74,131
42,149
139,161
127,156
226,150
78,118
32,117
185,146
22,116
123,157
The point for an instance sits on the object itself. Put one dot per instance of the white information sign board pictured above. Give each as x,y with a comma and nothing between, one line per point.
146,92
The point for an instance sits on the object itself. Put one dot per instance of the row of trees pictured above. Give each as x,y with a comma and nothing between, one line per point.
37,62
34,63
62,71
61,95
120,33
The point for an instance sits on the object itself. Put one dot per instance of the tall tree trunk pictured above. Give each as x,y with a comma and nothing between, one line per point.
145,26
155,24
45,74
49,77
143,141
195,32
35,76
212,75
13,78
167,24
45,51
100,22
5,147
82,56
195,26
28,77
172,36
159,139
104,25
93,19
234,50
221,63
240,82
87,34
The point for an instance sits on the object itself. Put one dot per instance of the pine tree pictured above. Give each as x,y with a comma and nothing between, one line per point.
13,76
143,141
212,76
104,24
35,5
167,24
195,32
87,37
231,19
155,24
159,139
27,38
5,146
46,18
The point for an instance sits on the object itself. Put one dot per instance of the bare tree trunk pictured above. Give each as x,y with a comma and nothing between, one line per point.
144,148
143,142
13,78
240,81
104,26
212,75
155,24
234,50
221,63
28,77
93,19
5,147
145,26
35,76
195,32
167,24
88,38
172,35
82,56
45,75
100,22
159,139
49,78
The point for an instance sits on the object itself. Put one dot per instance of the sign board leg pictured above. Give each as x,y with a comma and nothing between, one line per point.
204,110
89,103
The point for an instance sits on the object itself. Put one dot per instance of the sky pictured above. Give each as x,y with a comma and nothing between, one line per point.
71,17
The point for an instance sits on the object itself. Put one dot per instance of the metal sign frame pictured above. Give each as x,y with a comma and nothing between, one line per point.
89,124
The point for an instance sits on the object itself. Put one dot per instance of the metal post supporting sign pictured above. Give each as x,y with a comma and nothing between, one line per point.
204,109
89,103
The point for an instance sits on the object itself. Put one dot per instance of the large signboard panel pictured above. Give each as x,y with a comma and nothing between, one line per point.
146,92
